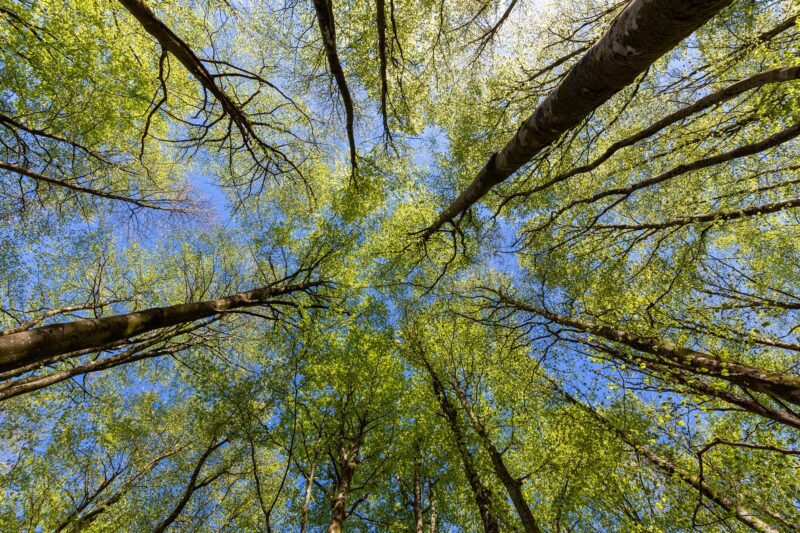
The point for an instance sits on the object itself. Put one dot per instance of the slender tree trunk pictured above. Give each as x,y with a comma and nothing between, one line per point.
192,486
771,383
34,383
307,500
418,524
25,347
348,459
779,75
642,33
698,385
512,484
173,44
482,493
432,499
380,19
327,29
672,470
713,216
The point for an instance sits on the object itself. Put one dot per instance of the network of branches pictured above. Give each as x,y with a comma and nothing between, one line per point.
400,265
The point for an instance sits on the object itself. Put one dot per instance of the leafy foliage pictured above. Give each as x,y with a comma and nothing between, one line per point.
607,340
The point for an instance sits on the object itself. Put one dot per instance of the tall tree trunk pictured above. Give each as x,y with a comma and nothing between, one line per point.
512,484
482,493
191,488
418,525
642,33
672,470
432,500
25,347
327,29
173,44
307,500
771,383
348,459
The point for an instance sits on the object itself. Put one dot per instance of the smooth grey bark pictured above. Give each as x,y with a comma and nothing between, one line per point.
643,32
25,347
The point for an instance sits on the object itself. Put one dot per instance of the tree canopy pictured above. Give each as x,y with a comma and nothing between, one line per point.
480,265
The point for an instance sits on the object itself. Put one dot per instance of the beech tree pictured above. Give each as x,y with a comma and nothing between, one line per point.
399,265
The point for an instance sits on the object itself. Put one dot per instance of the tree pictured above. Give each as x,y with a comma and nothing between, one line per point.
399,266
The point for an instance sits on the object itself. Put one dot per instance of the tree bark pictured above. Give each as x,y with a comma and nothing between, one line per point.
779,75
380,19
482,493
512,484
34,383
432,499
767,382
671,470
173,44
307,500
699,386
25,347
327,28
641,34
348,460
418,523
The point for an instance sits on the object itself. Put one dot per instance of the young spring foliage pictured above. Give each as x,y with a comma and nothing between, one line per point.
399,265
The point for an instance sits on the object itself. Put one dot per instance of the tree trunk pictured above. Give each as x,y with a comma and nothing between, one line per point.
775,385
482,493
432,499
348,459
173,44
698,385
307,500
672,470
512,484
641,34
418,528
25,347
34,383
327,29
